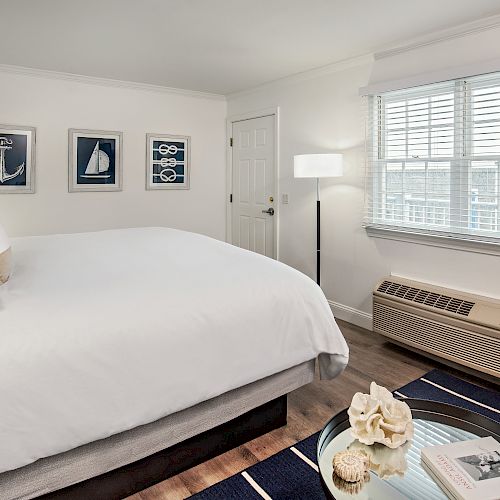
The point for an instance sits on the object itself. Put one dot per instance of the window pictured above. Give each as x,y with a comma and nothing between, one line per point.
434,159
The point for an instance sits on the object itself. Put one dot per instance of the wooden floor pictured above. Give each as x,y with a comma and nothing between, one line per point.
371,358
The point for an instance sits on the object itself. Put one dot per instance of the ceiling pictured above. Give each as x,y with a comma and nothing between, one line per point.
218,46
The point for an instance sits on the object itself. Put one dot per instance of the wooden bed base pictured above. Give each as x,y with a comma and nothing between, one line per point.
139,475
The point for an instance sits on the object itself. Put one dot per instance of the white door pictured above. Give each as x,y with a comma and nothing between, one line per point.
254,196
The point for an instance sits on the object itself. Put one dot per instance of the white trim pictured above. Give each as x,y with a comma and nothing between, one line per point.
443,75
303,457
434,240
229,181
253,114
460,395
462,30
255,486
106,82
434,38
352,315
230,120
310,74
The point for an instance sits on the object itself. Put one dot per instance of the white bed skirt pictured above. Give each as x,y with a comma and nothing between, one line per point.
56,472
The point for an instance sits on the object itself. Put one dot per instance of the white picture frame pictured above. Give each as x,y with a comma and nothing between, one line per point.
17,159
168,161
95,160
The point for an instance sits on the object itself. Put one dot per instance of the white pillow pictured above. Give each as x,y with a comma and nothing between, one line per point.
5,256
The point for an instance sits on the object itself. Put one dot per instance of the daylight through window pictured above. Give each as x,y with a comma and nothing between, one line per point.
434,157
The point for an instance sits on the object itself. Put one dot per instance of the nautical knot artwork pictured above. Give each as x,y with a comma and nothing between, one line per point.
6,144
167,161
168,157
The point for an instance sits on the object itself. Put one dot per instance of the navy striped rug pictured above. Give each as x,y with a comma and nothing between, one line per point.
292,473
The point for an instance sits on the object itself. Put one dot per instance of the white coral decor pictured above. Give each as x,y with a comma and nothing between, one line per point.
379,418
382,460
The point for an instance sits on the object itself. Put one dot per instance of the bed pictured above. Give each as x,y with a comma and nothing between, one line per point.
116,345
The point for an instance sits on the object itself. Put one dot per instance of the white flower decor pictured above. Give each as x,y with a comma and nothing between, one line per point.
380,418
382,460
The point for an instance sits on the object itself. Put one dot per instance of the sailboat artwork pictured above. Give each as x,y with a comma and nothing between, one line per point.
5,176
95,160
98,165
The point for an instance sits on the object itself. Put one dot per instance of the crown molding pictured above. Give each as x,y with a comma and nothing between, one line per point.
310,74
462,30
105,82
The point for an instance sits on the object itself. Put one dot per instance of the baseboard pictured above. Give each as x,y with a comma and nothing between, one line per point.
351,315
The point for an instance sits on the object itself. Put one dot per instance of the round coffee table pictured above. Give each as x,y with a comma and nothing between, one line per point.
399,473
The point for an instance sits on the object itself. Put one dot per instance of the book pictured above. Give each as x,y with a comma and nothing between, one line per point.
467,470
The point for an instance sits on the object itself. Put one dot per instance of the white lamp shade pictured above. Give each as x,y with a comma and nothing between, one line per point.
4,240
318,165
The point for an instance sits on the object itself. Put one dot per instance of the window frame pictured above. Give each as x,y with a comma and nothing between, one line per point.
460,175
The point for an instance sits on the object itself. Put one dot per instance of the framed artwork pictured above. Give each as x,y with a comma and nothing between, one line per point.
17,159
95,160
168,161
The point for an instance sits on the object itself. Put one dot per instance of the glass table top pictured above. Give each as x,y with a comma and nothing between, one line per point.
399,472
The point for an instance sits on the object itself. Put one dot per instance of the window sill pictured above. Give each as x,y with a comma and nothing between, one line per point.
414,236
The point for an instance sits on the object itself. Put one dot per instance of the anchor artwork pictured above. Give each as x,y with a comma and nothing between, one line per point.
168,162
95,160
17,159
5,145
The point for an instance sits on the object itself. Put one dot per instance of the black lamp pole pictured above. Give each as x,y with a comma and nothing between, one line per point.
317,166
318,234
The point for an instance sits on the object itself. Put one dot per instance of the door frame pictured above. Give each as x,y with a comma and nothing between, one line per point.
230,120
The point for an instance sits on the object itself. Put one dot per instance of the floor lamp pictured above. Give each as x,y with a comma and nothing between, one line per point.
318,166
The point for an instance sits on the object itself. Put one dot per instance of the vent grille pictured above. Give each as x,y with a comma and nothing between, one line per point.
455,344
431,299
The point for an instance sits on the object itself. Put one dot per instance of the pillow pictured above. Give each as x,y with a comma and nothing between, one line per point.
5,256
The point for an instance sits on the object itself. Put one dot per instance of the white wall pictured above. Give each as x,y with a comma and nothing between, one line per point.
318,113
53,106
325,114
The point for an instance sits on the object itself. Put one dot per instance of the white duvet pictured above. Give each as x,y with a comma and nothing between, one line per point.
102,332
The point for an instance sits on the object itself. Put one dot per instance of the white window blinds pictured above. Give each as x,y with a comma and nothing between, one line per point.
433,159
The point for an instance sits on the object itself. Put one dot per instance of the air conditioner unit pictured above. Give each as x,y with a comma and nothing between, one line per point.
456,327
